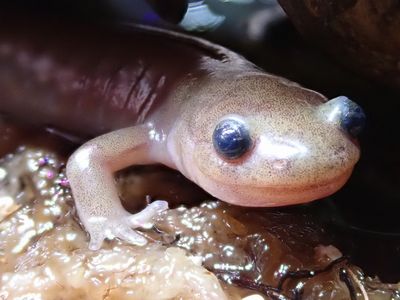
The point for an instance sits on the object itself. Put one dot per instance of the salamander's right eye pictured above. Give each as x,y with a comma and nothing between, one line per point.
231,138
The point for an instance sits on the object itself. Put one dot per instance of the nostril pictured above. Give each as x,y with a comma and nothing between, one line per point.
340,154
340,150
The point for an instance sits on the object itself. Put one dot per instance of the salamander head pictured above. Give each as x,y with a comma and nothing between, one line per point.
261,141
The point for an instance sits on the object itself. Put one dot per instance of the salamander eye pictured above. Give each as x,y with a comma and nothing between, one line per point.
352,118
345,113
231,138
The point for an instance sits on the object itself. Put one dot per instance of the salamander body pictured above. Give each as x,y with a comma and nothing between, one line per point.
155,96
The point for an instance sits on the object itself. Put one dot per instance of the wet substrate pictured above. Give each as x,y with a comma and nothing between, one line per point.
283,253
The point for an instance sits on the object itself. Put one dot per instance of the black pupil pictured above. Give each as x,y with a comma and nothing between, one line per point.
231,138
353,118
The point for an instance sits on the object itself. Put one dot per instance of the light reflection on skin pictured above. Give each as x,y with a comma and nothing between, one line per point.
333,109
83,157
280,148
334,114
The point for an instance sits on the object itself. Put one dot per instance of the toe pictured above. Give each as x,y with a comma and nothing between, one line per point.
158,205
129,235
144,218
96,241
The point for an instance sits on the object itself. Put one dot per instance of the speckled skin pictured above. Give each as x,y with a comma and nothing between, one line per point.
299,152
298,155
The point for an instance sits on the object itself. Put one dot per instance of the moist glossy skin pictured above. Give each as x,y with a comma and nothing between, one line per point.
298,154
173,90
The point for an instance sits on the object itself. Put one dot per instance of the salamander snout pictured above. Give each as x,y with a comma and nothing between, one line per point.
345,113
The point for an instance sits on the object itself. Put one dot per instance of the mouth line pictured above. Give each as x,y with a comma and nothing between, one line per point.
282,195
301,187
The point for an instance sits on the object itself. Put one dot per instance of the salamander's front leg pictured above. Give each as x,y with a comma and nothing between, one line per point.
90,172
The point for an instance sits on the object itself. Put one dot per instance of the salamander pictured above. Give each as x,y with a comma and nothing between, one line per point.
150,96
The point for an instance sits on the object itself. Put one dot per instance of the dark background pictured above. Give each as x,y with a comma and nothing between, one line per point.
362,218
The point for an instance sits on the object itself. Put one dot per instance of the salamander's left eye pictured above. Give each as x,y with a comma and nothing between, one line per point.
231,138
352,118
345,113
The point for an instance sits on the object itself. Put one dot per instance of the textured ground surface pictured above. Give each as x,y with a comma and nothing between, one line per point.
43,249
